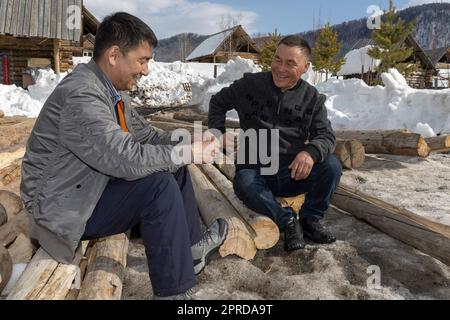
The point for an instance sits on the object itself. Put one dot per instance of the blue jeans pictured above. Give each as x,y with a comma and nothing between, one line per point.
259,192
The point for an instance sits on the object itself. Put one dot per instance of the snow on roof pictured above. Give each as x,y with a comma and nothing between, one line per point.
209,46
356,59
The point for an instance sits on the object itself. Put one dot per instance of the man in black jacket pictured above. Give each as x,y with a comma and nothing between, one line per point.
281,100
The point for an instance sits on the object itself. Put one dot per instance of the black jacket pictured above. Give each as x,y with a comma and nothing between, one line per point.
299,114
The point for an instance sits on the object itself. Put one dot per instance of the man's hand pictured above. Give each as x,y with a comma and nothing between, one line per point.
301,166
204,152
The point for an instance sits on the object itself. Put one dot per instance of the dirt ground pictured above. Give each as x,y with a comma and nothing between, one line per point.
341,270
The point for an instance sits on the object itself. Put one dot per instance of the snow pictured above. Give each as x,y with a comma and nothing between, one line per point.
356,60
78,60
353,105
210,45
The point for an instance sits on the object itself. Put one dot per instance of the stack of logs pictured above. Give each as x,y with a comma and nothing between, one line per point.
96,272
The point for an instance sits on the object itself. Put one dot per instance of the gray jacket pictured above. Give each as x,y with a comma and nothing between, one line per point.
74,150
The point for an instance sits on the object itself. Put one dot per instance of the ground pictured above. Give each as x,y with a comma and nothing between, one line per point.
341,270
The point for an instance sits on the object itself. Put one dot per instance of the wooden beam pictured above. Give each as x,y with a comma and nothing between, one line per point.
213,205
396,142
105,279
264,231
439,144
427,236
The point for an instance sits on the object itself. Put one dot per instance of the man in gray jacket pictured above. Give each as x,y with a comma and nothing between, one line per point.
94,168
281,100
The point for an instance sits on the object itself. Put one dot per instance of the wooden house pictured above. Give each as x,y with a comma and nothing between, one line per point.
423,78
39,34
440,57
224,46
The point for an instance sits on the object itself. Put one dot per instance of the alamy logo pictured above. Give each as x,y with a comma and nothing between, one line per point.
374,20
73,21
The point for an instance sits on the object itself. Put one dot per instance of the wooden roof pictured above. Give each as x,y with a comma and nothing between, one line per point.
41,18
215,42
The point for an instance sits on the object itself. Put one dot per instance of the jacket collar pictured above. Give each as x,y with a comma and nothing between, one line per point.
113,93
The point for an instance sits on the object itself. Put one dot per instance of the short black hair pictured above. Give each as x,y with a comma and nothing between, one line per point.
297,41
124,30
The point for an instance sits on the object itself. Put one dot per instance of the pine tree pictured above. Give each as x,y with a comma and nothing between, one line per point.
390,47
269,49
325,52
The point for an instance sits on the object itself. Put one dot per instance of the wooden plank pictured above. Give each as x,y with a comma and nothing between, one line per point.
8,17
34,20
14,18
53,25
21,17
3,10
425,235
41,15
105,279
58,19
64,31
27,18
47,17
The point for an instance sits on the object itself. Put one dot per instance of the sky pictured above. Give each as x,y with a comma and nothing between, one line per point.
170,17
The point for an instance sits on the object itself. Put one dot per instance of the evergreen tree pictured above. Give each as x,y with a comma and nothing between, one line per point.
324,54
390,47
269,49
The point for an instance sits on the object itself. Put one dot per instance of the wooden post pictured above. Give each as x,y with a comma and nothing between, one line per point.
265,232
213,205
427,236
56,55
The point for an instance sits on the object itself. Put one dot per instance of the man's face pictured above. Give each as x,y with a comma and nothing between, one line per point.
130,67
288,66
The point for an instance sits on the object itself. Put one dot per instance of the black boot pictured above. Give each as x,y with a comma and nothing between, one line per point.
293,236
315,232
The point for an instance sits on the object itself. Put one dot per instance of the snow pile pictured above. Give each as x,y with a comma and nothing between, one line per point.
16,101
353,105
234,70
356,59
167,85
313,77
79,60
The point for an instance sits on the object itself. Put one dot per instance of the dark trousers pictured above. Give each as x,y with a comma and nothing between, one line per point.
259,192
164,205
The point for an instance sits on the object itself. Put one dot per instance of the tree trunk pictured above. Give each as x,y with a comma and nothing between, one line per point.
105,279
46,279
14,227
389,142
351,153
15,134
427,236
5,267
11,202
265,232
439,144
213,205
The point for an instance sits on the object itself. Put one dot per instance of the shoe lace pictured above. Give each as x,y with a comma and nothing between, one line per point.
206,239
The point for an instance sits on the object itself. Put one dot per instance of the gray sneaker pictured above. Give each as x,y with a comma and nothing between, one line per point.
182,296
212,239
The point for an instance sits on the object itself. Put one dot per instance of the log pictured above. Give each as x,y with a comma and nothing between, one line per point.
2,114
427,236
265,232
11,202
8,121
439,144
351,153
5,267
172,126
45,278
3,215
9,158
396,142
213,205
15,134
22,250
11,173
105,280
191,117
14,227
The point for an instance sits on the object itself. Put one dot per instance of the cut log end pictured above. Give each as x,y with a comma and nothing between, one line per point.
423,150
351,153
267,236
238,241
